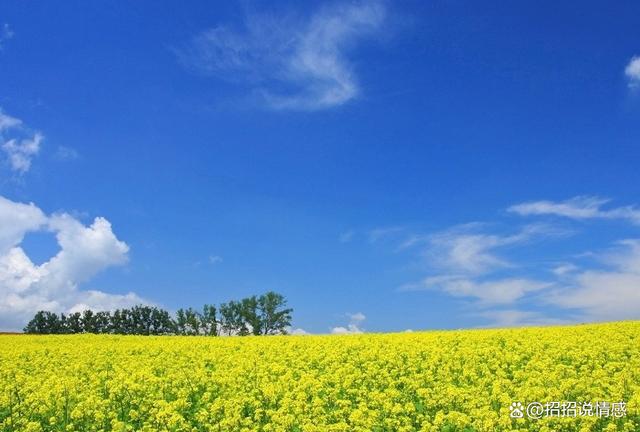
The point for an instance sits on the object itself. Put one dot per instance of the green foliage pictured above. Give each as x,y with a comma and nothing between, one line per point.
273,316
263,315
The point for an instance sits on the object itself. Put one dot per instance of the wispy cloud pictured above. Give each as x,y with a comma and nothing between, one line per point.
517,318
490,292
7,122
5,34
19,143
64,153
466,250
290,63
580,207
608,293
632,71
470,262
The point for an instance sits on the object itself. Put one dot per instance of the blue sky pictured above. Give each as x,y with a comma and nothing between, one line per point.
384,165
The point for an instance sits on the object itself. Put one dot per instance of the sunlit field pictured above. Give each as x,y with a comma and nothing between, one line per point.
428,381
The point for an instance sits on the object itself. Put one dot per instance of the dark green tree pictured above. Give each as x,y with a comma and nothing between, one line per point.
264,315
102,322
273,315
74,323
231,319
209,320
121,323
250,315
161,322
88,321
43,322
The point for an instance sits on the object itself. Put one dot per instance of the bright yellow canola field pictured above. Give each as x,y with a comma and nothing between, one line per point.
429,381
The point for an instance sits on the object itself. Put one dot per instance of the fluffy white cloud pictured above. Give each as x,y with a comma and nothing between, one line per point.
21,151
19,144
632,71
54,285
581,207
354,326
16,219
304,59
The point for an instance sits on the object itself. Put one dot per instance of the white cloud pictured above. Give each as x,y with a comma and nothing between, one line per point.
20,152
54,285
517,318
580,207
21,145
564,269
611,293
297,332
7,122
305,60
215,259
354,326
491,292
5,34
16,219
632,71
64,153
462,250
467,253
463,262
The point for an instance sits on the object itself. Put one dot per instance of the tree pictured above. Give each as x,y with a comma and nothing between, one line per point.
188,322
63,327
231,319
161,322
181,322
209,320
88,321
102,322
118,322
74,323
43,322
273,316
141,320
250,317
264,315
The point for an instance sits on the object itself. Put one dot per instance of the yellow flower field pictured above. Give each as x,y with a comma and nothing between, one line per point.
429,381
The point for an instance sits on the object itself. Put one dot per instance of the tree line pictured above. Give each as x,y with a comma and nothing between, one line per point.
263,315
